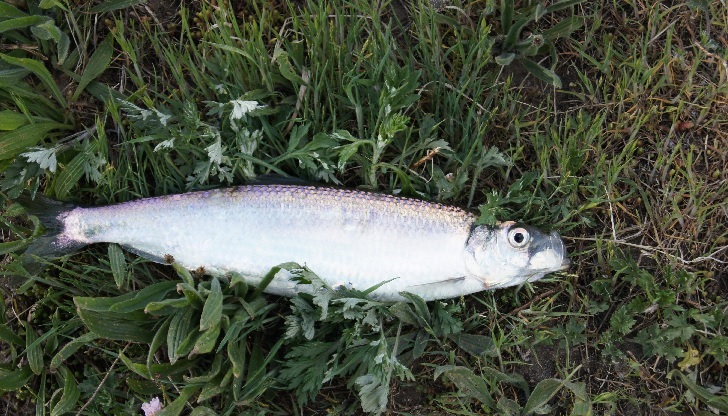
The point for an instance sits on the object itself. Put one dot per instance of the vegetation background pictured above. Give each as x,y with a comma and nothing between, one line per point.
604,120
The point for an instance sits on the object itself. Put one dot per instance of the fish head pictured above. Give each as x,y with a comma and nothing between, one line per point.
511,254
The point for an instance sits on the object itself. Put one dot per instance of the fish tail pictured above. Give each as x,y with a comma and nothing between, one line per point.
55,242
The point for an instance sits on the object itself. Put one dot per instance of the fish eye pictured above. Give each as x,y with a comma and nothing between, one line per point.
518,237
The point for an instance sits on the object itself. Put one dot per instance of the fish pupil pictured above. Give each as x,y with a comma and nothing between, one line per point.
518,237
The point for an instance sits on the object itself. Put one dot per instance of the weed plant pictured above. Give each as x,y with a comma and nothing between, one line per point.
603,120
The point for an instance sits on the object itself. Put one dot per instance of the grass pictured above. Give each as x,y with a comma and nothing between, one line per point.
613,132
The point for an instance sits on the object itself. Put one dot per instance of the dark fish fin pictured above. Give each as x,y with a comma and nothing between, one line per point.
54,243
147,255
275,179
449,280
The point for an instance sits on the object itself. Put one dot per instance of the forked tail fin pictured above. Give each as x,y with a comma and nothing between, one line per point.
51,214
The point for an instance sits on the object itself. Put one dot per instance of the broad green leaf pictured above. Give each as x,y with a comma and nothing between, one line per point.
152,293
542,393
280,56
47,31
467,382
476,345
117,261
111,5
160,336
70,394
237,352
17,141
176,407
49,4
422,312
505,58
183,273
404,313
9,11
712,400
506,10
179,329
212,311
40,71
165,307
33,351
22,22
115,326
207,341
70,349
10,120
203,411
69,176
101,304
7,335
541,73
97,64
137,368
13,380
64,46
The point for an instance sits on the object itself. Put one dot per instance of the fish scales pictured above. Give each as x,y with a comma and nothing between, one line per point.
347,237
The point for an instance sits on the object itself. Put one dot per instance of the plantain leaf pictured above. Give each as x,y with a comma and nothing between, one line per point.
176,407
212,311
467,382
41,72
207,341
15,142
542,393
13,380
179,329
70,394
117,261
69,176
70,349
152,293
97,64
541,73
22,22
712,400
9,11
10,120
33,351
7,335
111,5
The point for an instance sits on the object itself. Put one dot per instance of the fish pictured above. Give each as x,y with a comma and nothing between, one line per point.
350,238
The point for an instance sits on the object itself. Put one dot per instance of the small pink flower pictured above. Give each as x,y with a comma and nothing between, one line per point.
152,408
